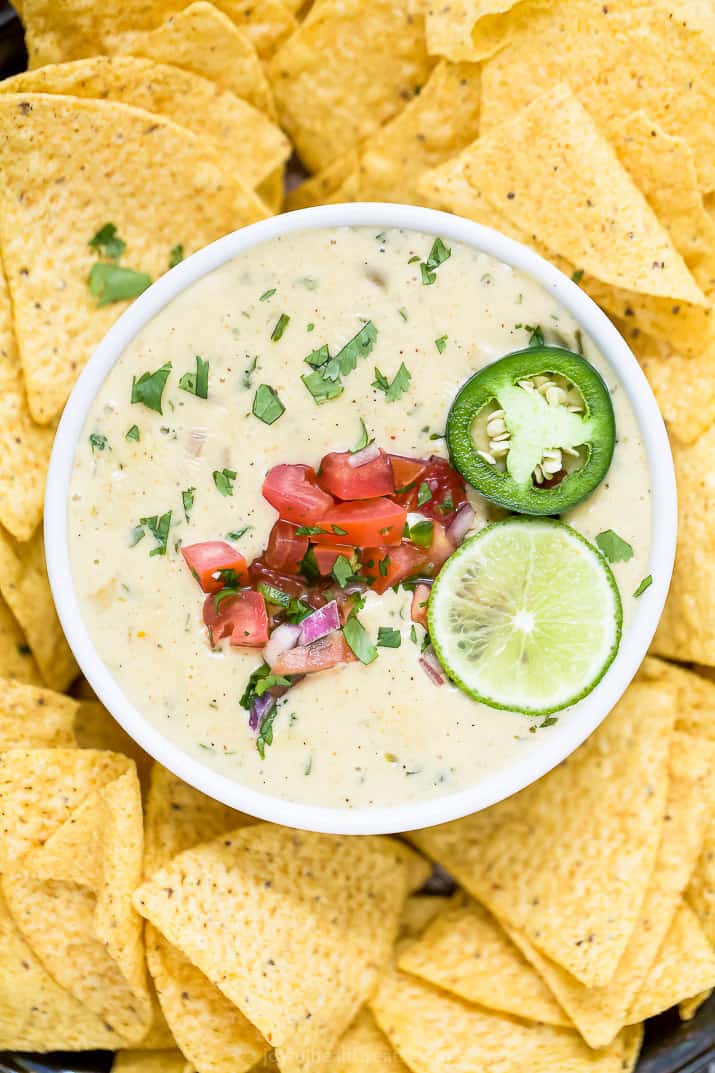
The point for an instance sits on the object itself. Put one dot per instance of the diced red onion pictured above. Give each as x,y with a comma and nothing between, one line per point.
259,710
361,458
461,524
432,667
283,637
197,437
322,622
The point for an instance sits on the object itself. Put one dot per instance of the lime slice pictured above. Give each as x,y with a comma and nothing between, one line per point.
526,616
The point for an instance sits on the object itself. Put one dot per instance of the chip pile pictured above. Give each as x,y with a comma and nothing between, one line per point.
137,915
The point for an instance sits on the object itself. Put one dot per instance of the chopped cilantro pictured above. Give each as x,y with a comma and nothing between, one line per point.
424,494
265,733
197,383
577,275
364,439
249,693
437,256
447,504
421,533
247,374
310,530
236,534
383,566
149,388
388,638
98,442
280,326
413,634
308,566
133,433
324,382
187,499
108,242
441,343
318,357
613,547
645,584
269,682
267,294
176,255
394,389
137,534
403,312
310,327
338,531
415,257
342,571
267,407
358,641
536,337
273,595
322,390
223,479
359,346
112,283
159,527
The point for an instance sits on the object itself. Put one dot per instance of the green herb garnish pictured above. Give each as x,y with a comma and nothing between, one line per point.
265,733
267,294
613,547
108,242
437,256
280,326
394,389
322,390
236,534
645,584
357,639
363,441
176,255
98,442
310,530
187,500
223,479
577,275
388,638
133,433
197,383
421,533
149,388
159,527
424,494
112,283
342,571
267,407
441,343
273,595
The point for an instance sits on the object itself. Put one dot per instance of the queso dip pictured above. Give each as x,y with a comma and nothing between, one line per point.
410,320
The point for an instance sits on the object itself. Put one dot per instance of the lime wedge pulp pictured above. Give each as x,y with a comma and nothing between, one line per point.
526,616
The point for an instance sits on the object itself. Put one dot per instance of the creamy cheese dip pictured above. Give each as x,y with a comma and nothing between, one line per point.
357,735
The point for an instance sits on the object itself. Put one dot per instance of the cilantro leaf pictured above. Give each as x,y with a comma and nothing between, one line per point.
197,383
318,357
577,275
176,255
424,494
421,533
108,242
98,442
613,547
265,733
133,433
342,570
112,283
364,439
236,534
149,388
159,527
267,407
322,390
441,343
645,584
249,692
267,294
388,638
437,256
187,500
397,387
359,346
357,639
223,479
280,326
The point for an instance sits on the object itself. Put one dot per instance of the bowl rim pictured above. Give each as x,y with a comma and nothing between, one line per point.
554,747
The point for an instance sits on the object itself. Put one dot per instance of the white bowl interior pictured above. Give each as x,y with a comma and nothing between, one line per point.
564,737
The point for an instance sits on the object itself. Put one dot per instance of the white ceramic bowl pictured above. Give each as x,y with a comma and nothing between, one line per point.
561,739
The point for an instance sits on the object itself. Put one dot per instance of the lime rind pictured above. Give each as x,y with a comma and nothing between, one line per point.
526,616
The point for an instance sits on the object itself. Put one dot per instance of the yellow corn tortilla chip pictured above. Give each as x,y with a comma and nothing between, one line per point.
420,910
432,1030
26,589
36,1014
599,1013
701,890
364,1049
16,659
95,728
270,190
690,1006
685,967
330,185
266,22
635,54
24,446
203,40
687,628
258,906
255,145
346,70
31,717
567,861
159,1036
586,213
158,183
475,29
696,696
466,952
151,1062
632,1043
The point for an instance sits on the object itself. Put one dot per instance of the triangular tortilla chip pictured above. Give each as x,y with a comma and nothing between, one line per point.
690,1006
160,185
701,891
634,54
475,29
259,905
465,951
151,1062
567,861
696,696
32,717
364,1049
24,446
95,728
256,145
420,910
336,182
685,967
25,587
599,1013
16,659
687,628
432,1030
346,70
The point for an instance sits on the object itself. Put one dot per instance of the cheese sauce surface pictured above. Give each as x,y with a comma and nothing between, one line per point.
357,735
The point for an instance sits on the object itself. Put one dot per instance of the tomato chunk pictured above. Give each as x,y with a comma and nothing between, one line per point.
366,522
207,559
293,491
447,491
406,470
390,566
285,550
325,556
345,481
321,655
242,617
440,548
420,599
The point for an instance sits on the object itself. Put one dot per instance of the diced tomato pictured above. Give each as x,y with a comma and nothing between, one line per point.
321,655
325,556
293,491
242,617
406,470
207,559
364,523
389,566
448,491
293,584
420,599
440,549
285,550
344,481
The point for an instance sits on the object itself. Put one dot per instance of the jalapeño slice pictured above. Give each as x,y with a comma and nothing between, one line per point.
534,431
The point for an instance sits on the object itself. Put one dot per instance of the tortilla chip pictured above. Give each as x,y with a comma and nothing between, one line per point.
632,1043
160,185
95,728
151,1062
36,1014
599,1013
345,71
25,587
696,696
24,446
256,146
465,951
420,910
685,967
432,1030
31,717
271,189
586,213
701,891
475,29
364,1049
203,40
264,906
567,861
690,1006
329,186
266,22
633,54
16,659
687,628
